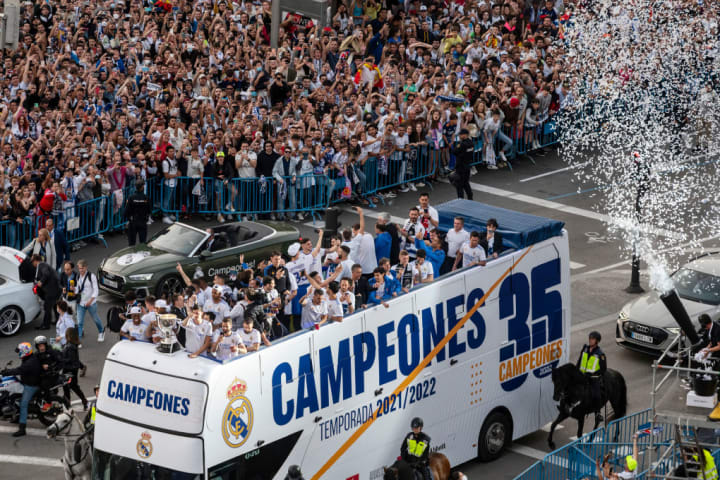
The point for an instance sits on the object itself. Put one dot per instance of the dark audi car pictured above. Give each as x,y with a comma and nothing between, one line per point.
151,268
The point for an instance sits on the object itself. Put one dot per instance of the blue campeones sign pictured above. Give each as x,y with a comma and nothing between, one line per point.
342,368
166,402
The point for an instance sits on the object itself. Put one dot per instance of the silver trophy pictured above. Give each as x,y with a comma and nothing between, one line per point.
166,323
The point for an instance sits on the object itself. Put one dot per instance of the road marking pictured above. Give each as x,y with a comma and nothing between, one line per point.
625,262
546,428
528,451
78,402
34,432
576,265
23,460
553,172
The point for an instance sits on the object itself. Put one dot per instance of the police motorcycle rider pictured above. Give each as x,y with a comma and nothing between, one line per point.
415,449
49,362
29,371
593,364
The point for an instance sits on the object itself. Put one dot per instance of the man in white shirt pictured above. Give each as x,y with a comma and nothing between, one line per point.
311,257
226,343
315,309
217,305
410,230
455,239
87,292
250,337
471,252
404,272
335,307
346,262
423,270
428,215
365,255
133,328
198,332
346,297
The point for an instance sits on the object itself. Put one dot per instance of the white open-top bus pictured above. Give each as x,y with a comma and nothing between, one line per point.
470,353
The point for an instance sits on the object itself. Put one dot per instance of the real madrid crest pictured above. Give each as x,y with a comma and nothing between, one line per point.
144,446
237,420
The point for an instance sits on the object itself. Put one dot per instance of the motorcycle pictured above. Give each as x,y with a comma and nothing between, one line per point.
46,405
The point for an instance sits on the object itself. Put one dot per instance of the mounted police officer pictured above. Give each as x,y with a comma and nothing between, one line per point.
593,364
137,213
415,449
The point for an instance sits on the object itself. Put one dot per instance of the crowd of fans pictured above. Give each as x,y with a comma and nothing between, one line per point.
103,93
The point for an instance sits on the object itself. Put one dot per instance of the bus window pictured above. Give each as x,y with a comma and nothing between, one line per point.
114,467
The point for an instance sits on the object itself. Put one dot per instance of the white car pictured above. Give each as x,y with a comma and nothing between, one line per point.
645,324
18,303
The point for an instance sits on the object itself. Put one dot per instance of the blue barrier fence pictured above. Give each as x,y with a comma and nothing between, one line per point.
285,197
576,460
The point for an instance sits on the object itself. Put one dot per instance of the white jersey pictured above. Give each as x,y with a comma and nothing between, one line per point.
223,351
470,254
195,335
335,308
346,269
135,331
365,254
64,322
423,270
296,269
312,314
312,264
249,339
433,213
347,301
455,240
221,310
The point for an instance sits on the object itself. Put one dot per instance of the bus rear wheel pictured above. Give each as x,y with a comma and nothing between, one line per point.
495,435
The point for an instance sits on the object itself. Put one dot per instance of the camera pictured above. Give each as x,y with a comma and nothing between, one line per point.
256,296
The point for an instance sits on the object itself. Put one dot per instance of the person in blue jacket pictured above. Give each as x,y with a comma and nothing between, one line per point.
383,242
381,289
434,252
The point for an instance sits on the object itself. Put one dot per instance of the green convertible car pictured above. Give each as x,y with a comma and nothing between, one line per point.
151,268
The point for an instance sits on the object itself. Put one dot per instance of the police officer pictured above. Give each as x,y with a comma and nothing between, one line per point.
30,372
593,364
49,362
137,213
415,449
463,151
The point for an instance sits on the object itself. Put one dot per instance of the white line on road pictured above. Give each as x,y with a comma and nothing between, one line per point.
553,172
23,460
34,432
576,265
527,451
625,262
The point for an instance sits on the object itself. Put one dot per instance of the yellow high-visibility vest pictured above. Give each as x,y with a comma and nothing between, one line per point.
416,448
92,415
589,363
710,469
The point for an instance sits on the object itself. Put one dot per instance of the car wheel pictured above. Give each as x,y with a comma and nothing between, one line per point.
168,285
11,319
495,435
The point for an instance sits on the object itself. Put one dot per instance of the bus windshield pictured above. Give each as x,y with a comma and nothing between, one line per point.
107,466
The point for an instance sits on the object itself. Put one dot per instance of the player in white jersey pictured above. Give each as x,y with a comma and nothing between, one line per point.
471,252
226,343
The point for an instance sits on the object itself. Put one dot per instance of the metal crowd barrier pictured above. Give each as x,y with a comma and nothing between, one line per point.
576,460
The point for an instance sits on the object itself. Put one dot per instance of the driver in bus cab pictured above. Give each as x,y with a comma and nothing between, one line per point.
415,449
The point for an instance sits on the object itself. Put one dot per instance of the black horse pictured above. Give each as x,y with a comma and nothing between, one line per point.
574,392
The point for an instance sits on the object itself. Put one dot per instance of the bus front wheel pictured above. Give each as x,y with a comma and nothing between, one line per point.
495,435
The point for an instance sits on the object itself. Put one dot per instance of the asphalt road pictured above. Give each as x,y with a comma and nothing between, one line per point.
599,273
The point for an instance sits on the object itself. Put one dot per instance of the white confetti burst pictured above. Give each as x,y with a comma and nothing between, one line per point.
645,116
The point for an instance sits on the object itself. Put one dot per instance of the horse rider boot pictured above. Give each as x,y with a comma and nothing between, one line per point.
415,449
593,364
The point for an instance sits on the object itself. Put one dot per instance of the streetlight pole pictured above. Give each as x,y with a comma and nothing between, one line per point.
641,177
